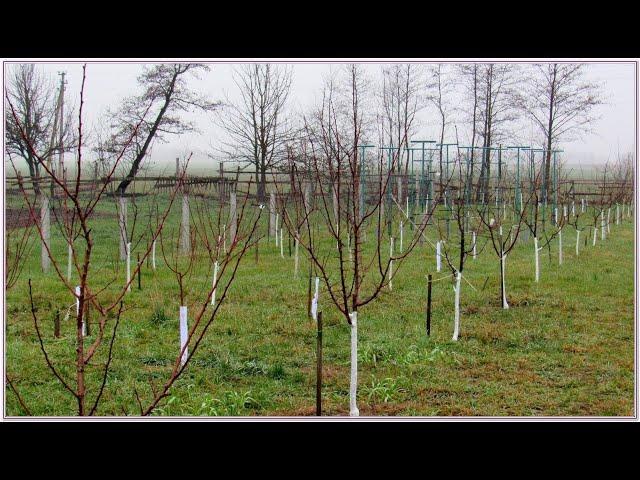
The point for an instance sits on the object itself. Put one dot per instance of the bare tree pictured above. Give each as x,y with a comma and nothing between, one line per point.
257,124
36,105
154,113
561,103
439,87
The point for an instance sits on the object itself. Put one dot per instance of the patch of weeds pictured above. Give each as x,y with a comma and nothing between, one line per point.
252,367
277,372
155,362
158,317
369,354
384,390
415,355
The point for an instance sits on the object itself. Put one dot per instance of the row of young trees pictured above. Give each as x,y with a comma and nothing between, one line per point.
326,152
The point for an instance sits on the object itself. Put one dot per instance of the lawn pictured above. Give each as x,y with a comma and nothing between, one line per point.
565,347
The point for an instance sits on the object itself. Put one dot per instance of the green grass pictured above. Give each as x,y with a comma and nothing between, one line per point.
565,347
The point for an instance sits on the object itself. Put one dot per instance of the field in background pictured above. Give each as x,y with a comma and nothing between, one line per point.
565,347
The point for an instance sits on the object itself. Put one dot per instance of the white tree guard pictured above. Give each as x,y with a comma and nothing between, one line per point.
353,384
401,236
577,242
617,214
503,261
537,257
595,235
603,234
45,225
391,264
277,230
438,259
573,208
473,241
153,255
456,318
281,245
184,335
214,284
84,326
608,218
582,202
273,225
314,302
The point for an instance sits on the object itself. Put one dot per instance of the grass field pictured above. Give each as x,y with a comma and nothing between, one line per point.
565,347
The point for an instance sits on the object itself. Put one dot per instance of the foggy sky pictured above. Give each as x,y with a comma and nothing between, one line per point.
108,83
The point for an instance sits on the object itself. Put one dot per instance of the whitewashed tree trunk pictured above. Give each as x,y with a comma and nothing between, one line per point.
277,230
582,202
214,284
438,259
129,267
401,236
608,220
122,226
281,245
84,325
234,217
595,235
45,225
602,227
314,302
353,384
617,214
153,255
273,225
456,318
577,242
573,208
560,246
391,264
503,260
184,335
185,231
537,258
473,241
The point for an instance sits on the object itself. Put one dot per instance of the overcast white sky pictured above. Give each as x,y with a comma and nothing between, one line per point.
108,83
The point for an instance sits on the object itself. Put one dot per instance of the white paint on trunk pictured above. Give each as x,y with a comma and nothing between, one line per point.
503,261
595,235
214,284
456,318
577,242
608,220
391,264
314,302
438,259
602,227
84,326
401,235
281,245
473,241
277,230
184,335
617,214
582,201
353,385
153,255
537,258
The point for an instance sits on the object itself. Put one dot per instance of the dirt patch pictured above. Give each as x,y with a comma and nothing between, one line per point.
20,217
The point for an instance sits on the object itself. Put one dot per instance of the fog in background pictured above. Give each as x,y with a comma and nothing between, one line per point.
108,83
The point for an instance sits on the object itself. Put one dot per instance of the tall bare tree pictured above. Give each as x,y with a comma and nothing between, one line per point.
156,110
562,103
35,100
256,124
